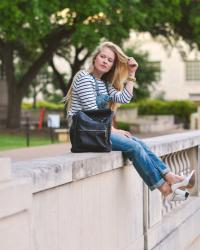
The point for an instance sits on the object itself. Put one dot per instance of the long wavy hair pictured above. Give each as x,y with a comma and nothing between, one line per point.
116,76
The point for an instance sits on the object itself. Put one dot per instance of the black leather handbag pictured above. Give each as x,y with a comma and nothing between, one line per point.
90,131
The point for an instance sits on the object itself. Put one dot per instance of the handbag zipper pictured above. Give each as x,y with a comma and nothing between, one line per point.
93,130
97,130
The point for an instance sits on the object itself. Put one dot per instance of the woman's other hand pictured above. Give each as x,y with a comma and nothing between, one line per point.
121,132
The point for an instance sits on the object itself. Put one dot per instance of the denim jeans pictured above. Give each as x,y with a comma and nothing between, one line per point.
149,166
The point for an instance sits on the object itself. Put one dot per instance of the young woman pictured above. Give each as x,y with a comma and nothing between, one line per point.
112,75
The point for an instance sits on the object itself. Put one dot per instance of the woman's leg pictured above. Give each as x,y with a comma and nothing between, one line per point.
150,167
160,165
142,161
170,177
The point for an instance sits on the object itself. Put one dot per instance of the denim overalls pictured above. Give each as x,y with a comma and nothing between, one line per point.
149,166
102,100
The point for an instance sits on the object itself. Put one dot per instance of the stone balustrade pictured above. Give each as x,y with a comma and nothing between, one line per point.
97,201
165,227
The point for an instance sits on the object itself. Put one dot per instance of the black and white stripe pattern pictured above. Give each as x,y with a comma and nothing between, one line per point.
84,93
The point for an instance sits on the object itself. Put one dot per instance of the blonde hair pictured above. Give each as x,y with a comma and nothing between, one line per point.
116,76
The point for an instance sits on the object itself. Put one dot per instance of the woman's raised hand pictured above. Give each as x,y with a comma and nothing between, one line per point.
132,65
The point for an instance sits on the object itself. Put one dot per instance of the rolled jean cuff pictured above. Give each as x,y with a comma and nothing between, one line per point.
164,172
157,185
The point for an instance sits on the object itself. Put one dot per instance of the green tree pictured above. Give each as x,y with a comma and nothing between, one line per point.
164,18
172,19
31,31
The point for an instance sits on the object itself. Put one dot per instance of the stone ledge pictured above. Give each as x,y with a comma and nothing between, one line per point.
49,172
166,144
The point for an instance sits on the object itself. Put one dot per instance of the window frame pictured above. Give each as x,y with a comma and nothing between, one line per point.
192,71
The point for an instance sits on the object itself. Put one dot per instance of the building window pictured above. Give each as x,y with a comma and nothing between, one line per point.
192,70
157,66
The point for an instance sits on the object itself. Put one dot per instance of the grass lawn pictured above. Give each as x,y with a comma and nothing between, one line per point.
10,141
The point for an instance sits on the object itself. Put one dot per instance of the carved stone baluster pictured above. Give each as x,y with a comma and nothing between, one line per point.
176,163
167,205
179,163
188,163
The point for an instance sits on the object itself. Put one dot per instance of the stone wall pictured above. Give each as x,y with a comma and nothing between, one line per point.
98,201
146,123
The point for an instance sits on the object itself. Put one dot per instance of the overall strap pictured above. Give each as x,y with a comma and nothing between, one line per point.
96,85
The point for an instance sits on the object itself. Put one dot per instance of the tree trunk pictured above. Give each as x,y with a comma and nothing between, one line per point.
14,108
14,92
34,95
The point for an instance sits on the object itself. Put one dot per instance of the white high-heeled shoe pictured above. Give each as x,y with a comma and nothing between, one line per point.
179,189
187,182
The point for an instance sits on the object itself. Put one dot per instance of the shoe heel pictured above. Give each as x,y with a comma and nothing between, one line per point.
187,194
179,195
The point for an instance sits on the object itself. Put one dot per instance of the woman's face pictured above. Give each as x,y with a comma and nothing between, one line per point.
104,61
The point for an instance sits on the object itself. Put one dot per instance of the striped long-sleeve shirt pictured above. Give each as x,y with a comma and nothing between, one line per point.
84,93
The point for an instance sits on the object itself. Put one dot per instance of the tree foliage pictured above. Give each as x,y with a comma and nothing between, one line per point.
32,31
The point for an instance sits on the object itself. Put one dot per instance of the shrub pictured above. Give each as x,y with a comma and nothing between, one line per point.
153,107
123,125
180,109
50,105
129,105
26,105
44,104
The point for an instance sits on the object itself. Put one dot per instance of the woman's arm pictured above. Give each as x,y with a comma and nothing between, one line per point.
123,96
126,94
84,91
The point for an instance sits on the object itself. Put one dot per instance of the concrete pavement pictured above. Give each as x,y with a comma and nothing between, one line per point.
36,152
58,149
